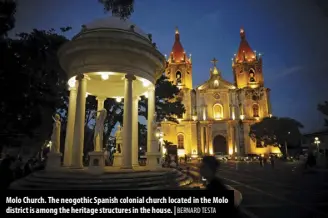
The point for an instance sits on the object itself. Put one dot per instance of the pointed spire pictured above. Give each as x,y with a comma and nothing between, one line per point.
245,52
242,33
178,54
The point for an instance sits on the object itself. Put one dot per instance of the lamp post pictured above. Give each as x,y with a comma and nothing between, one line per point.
159,135
317,143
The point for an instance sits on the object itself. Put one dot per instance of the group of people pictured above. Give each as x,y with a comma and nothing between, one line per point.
264,160
14,168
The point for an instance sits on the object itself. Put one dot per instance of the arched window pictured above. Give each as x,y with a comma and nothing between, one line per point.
255,110
178,77
180,141
217,111
216,83
252,76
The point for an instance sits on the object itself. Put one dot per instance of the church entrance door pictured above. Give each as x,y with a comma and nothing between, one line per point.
220,144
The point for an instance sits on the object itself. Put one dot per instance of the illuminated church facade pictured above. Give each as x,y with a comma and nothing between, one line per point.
218,113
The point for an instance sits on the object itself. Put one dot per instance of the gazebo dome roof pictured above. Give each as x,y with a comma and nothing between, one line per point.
115,23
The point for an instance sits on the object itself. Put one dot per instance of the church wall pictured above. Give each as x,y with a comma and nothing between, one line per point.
209,99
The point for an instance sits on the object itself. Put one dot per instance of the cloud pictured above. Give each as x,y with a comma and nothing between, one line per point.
285,72
208,18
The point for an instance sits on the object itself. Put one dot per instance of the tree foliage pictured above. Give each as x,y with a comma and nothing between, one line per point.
33,83
7,16
276,131
167,104
120,8
323,108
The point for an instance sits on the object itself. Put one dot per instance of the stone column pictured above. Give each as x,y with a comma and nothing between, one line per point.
78,142
269,102
202,139
127,122
135,132
70,127
153,156
210,140
100,105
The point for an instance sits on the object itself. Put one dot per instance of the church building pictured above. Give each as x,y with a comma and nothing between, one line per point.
218,113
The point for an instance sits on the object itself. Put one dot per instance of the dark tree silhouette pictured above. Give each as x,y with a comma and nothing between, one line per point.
323,108
7,16
276,131
120,8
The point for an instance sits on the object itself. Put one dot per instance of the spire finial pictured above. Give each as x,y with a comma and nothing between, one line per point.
176,30
214,61
242,33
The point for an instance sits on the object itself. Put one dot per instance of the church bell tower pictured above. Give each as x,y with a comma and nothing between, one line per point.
179,71
247,65
179,67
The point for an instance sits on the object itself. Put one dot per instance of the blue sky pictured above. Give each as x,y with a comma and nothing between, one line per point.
291,34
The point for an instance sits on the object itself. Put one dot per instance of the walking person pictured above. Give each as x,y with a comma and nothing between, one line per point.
272,161
208,170
261,161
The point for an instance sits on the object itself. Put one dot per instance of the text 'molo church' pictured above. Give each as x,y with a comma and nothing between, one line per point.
219,113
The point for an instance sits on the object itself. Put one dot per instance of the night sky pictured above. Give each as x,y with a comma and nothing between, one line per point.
292,35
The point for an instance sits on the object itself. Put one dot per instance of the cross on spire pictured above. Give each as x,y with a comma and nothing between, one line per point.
214,61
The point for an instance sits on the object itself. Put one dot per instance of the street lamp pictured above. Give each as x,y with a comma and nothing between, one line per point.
317,142
159,135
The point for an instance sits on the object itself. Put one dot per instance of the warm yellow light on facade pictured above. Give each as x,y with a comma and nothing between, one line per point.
87,94
181,152
146,94
216,83
194,117
204,114
211,151
257,118
230,151
118,99
179,120
233,116
145,83
242,116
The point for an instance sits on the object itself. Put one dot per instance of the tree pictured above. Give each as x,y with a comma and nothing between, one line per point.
323,108
7,16
33,84
167,103
120,8
276,131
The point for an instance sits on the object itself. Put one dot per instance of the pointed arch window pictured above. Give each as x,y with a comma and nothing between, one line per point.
178,77
217,111
180,141
256,109
252,76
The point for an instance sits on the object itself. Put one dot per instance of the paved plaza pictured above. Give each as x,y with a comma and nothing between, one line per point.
285,191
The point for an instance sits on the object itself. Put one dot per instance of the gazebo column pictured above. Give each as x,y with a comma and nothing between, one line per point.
127,122
70,126
153,155
135,132
77,161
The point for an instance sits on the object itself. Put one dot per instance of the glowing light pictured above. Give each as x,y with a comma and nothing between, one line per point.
87,94
211,152
179,120
181,152
270,115
230,151
104,76
316,138
118,99
194,118
71,82
146,94
257,118
145,83
242,116
216,83
157,135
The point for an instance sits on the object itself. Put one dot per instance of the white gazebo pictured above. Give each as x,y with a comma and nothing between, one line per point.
111,58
